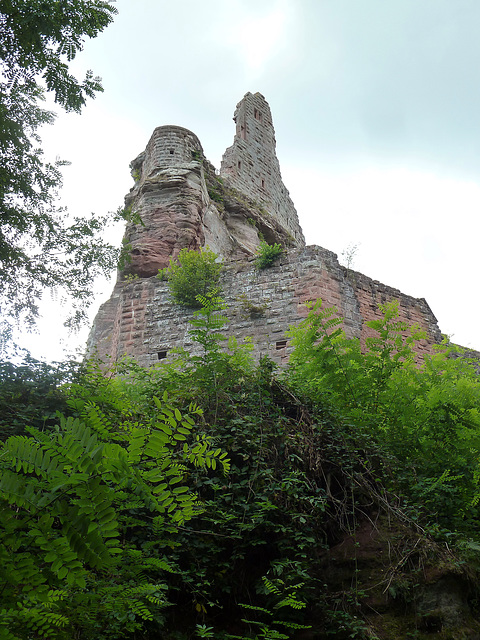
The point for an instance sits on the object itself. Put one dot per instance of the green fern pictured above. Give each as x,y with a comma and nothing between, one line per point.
67,496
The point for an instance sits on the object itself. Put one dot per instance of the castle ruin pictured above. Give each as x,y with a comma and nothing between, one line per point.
184,202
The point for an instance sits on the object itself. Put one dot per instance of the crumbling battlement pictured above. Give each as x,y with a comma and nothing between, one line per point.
251,163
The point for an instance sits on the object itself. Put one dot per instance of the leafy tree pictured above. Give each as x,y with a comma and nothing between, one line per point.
194,273
39,246
31,394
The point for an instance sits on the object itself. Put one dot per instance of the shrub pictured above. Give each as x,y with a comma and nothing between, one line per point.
193,274
267,254
424,417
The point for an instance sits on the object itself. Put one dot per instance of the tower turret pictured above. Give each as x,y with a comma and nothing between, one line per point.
251,165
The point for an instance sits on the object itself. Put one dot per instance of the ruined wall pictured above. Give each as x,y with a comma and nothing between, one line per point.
184,203
252,167
140,320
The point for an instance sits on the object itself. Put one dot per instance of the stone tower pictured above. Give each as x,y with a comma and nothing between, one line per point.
184,202
252,167
170,197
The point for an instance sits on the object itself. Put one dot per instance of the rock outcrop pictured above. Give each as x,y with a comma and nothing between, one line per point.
170,198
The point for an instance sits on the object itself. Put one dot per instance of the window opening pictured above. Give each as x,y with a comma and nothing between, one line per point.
263,183
243,133
257,115
239,164
161,355
280,344
171,152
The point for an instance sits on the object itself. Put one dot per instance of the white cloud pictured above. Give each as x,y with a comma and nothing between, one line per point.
257,35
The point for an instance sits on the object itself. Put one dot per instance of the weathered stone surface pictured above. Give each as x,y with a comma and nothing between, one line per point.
251,164
183,202
141,320
169,196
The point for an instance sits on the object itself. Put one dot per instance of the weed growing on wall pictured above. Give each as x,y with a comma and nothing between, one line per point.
192,274
267,254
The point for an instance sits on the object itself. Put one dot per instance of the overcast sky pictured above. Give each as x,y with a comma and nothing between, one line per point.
375,107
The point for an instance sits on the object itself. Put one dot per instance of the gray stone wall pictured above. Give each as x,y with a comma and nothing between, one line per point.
141,320
251,165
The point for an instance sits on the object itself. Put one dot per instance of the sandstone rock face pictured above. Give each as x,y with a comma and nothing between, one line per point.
184,203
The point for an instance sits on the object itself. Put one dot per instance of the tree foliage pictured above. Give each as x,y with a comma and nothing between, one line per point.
89,509
31,394
40,246
427,416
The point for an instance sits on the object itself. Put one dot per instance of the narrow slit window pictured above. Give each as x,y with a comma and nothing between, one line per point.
239,164
243,133
280,344
161,355
257,115
263,183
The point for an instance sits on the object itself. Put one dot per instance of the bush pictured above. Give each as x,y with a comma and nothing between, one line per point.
31,394
193,274
424,417
267,254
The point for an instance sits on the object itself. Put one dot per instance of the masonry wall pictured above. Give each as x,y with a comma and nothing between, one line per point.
140,319
168,146
252,167
184,204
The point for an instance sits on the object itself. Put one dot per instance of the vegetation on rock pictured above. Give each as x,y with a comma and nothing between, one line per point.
267,254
